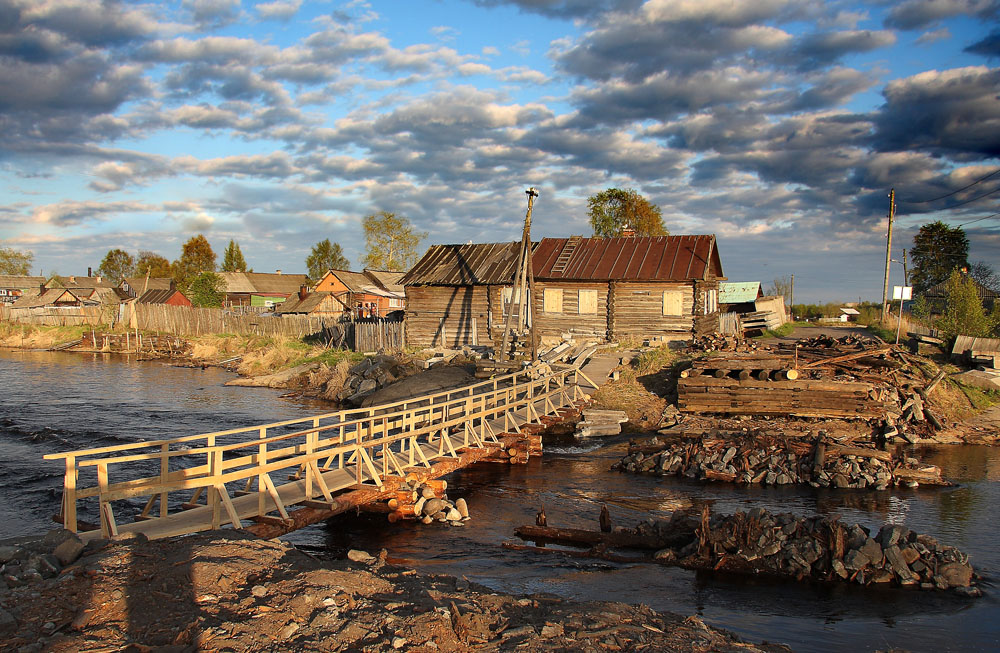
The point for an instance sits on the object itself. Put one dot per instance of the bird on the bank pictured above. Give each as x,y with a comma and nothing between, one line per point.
605,519
540,518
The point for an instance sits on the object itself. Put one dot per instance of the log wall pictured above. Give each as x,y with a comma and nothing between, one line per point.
636,310
570,320
448,316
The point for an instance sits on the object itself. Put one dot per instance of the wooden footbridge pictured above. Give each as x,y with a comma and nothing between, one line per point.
287,475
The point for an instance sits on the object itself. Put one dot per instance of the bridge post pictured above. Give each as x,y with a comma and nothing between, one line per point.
261,462
69,495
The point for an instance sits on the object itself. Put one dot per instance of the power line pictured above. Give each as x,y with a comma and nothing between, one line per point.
955,192
991,215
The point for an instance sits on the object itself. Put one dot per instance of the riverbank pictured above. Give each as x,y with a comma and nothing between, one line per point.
224,591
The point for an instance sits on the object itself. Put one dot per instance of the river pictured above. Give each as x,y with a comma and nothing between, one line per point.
57,401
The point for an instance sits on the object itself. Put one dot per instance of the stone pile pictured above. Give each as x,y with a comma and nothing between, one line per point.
820,548
38,560
427,503
771,460
371,374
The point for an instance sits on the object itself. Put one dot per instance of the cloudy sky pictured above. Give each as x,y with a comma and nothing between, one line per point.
778,125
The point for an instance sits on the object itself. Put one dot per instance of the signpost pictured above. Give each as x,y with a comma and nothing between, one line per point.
902,293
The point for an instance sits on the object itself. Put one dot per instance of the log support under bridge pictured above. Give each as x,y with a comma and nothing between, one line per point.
332,462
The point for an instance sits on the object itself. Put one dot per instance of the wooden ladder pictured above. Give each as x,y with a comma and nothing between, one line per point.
567,251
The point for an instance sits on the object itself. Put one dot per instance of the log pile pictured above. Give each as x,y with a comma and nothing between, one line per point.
782,545
720,342
771,459
425,502
516,449
600,422
823,377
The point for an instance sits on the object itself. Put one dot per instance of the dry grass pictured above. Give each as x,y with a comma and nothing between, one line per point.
643,408
37,337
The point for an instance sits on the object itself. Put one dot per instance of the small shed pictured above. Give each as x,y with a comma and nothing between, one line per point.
616,288
317,304
456,294
848,314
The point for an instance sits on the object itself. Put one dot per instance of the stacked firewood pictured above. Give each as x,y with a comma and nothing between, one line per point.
425,502
720,342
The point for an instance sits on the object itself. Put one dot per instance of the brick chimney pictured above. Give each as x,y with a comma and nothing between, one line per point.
628,231
303,291
90,272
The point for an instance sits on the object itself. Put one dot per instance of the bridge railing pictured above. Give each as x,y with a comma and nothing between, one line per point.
371,443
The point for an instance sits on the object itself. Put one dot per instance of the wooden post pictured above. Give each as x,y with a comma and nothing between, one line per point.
261,462
69,495
164,475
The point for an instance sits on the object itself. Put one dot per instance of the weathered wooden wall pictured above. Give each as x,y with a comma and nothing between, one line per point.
570,320
449,316
636,310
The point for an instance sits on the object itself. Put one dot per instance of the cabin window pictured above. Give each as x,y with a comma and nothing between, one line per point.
588,301
711,301
552,300
395,303
673,302
508,293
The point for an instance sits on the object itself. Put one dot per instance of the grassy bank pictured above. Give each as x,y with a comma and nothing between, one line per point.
265,355
27,336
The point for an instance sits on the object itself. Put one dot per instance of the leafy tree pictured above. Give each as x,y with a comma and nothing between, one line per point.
207,290
326,256
391,242
116,265
15,262
920,308
611,210
964,313
153,264
196,257
937,250
232,258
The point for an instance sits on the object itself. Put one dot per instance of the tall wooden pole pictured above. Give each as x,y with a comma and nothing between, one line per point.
888,252
524,287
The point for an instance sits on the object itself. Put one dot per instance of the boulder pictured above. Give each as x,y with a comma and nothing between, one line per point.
956,574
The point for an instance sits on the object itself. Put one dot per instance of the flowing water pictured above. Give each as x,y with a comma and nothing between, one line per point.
53,402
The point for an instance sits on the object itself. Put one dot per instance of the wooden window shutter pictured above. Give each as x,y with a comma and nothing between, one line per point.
588,301
673,302
552,300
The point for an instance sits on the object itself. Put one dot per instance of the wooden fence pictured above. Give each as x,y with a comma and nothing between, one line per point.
61,316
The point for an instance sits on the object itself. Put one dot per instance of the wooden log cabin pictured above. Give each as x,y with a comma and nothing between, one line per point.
630,287
455,294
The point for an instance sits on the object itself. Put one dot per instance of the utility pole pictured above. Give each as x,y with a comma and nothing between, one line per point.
906,276
888,252
791,298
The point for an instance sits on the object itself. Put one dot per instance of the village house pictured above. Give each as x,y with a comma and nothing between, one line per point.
615,288
155,290
455,294
260,290
936,296
88,291
364,294
13,287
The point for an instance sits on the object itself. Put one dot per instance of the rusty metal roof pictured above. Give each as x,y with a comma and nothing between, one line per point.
644,258
460,265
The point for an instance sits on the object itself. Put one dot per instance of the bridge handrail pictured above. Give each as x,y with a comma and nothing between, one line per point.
80,453
362,435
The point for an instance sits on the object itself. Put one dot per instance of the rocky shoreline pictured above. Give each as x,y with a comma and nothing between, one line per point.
752,458
225,591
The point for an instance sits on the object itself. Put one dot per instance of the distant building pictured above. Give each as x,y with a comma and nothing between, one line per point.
88,290
13,287
259,289
135,286
364,294
316,304
936,296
